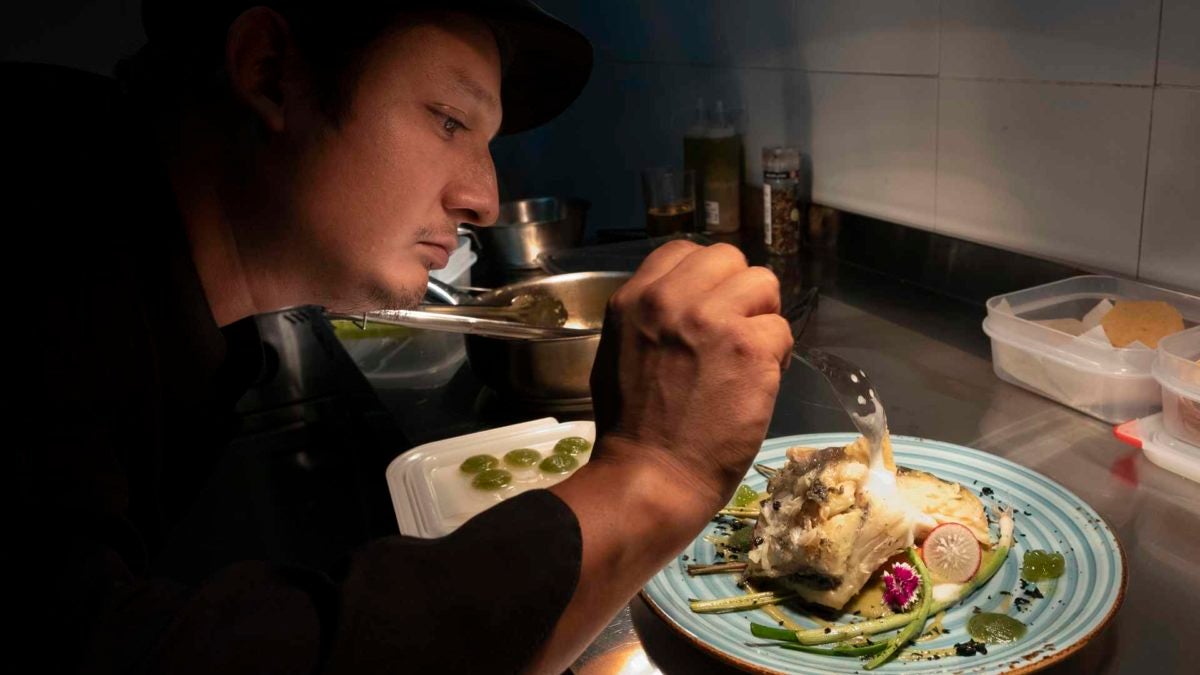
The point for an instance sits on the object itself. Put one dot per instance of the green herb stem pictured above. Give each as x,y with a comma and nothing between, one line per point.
915,626
716,568
738,603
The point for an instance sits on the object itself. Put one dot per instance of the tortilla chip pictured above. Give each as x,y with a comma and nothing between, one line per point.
1145,321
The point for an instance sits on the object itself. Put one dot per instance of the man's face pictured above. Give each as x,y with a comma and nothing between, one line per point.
375,202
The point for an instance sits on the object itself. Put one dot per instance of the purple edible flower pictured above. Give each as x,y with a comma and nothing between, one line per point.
900,586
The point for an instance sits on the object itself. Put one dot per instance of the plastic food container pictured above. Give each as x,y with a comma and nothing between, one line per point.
432,497
1160,447
411,358
1084,372
1177,369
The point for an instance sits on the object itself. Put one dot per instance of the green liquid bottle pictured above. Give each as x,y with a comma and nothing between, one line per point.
713,148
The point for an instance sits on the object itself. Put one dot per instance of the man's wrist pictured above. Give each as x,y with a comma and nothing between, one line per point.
648,481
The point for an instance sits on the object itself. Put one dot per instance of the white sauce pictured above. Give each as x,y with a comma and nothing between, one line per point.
946,592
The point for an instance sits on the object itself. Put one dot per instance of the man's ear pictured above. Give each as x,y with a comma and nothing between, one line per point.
258,55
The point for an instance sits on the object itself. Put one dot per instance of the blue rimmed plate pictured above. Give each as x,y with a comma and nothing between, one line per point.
1048,517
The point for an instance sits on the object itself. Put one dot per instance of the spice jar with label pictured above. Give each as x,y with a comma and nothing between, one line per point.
781,199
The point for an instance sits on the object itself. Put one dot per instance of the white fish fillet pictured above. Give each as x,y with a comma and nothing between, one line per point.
830,523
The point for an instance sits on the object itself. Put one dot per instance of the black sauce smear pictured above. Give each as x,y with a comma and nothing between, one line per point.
970,648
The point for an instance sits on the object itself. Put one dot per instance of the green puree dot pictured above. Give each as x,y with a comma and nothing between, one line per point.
522,457
558,464
995,628
492,479
478,463
572,445
745,496
1040,565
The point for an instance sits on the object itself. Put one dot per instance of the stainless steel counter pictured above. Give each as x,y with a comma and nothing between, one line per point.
930,363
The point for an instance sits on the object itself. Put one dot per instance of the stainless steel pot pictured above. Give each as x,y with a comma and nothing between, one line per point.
549,372
528,227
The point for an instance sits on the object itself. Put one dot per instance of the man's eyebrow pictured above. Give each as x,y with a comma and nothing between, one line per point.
463,82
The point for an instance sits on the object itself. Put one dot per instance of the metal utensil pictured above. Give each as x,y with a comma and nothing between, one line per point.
534,309
801,310
469,325
444,292
849,383
852,389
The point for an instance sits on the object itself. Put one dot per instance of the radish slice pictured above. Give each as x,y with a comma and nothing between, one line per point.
951,553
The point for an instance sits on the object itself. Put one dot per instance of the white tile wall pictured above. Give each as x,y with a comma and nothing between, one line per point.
1171,230
871,139
872,36
625,120
635,115
1179,52
1060,164
721,32
1020,123
867,36
762,37
1046,169
620,29
1075,40
655,30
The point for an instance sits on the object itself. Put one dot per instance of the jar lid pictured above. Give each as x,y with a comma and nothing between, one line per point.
781,159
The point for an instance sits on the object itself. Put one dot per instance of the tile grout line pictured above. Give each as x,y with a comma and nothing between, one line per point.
785,69
1059,83
918,76
1149,145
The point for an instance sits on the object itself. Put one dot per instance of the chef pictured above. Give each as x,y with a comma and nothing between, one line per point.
258,156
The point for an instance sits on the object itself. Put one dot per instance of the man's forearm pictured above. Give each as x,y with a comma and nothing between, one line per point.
633,517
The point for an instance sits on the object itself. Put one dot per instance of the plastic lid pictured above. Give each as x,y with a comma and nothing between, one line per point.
1176,365
1018,317
780,159
1160,447
722,123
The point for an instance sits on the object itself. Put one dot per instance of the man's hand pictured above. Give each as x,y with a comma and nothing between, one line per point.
684,383
689,366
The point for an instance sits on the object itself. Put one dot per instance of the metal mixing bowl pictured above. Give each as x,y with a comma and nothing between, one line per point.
554,372
529,227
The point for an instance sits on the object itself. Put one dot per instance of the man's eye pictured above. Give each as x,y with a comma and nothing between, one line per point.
449,124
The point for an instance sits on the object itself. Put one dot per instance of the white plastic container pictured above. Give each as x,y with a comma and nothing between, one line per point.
1177,369
1160,447
432,497
1083,372
417,359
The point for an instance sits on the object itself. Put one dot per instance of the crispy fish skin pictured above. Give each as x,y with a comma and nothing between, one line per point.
945,501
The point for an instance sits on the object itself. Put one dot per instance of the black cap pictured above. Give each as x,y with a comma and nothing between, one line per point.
547,63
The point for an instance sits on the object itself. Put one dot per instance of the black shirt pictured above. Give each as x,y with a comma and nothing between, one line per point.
121,403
